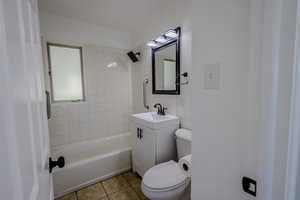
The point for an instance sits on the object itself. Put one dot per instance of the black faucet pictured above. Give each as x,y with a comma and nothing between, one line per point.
160,110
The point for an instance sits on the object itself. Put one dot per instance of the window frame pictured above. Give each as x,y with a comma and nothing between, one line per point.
50,72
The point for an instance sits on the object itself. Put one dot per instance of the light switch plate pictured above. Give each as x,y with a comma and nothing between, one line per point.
212,76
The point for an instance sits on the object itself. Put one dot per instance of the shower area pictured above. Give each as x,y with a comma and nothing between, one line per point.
91,128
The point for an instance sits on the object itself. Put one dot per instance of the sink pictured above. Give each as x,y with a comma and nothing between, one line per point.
154,121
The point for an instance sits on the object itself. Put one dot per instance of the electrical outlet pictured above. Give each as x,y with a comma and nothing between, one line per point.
249,186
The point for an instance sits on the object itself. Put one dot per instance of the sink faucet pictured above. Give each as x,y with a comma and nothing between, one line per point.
160,110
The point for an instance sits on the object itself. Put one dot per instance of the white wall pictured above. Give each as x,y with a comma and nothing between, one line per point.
223,146
278,49
69,30
176,15
254,91
243,128
297,192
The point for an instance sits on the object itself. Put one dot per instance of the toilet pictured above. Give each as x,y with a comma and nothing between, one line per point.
167,181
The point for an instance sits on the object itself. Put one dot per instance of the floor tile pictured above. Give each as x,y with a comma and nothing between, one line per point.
123,194
141,194
131,177
71,196
136,185
115,184
126,186
93,192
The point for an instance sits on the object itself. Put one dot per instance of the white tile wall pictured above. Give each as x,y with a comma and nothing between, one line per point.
107,108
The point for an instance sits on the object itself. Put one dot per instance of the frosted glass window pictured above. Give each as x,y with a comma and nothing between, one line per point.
65,64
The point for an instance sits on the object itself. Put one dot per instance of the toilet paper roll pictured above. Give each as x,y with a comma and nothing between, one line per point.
185,164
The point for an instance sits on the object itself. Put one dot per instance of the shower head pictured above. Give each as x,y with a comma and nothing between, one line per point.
134,57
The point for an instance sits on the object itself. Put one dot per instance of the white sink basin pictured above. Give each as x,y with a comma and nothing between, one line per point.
155,121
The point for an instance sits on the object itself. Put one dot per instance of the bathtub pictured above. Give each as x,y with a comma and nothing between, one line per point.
90,162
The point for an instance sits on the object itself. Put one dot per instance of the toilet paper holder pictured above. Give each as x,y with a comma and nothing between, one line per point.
186,76
185,167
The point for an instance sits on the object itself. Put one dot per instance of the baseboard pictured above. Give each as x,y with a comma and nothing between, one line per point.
93,181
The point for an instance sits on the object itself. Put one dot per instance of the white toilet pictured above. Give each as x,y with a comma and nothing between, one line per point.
167,181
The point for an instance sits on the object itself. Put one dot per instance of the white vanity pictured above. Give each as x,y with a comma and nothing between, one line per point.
153,140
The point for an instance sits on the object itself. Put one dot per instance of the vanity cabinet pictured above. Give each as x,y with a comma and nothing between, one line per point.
152,145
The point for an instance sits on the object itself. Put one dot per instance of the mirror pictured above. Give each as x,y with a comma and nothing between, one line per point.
166,67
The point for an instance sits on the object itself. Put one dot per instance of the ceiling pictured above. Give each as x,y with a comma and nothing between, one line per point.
122,15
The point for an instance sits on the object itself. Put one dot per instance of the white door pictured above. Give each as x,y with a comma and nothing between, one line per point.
24,140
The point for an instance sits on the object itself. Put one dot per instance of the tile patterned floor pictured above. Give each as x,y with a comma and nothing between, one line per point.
126,186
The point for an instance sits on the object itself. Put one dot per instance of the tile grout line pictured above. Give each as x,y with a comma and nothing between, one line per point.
127,183
104,190
133,188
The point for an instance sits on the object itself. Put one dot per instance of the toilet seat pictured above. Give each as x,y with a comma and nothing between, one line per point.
165,177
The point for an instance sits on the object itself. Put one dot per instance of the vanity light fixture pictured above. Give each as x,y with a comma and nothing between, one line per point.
169,36
171,33
161,39
152,43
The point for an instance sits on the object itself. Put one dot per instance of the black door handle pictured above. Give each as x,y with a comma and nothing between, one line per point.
60,162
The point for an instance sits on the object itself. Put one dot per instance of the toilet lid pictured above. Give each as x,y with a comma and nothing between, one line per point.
167,175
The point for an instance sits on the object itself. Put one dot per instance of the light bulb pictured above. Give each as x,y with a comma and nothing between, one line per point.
171,33
152,43
161,39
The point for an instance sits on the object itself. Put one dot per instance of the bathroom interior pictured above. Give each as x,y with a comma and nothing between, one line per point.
107,126
108,118
110,115
149,99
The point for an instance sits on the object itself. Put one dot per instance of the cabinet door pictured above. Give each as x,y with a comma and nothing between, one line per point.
144,150
136,157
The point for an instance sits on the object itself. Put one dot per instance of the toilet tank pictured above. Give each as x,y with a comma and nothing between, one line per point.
183,142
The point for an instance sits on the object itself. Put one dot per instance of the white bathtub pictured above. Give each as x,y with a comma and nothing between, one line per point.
91,161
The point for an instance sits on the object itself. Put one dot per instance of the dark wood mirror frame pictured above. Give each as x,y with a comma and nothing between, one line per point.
175,41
